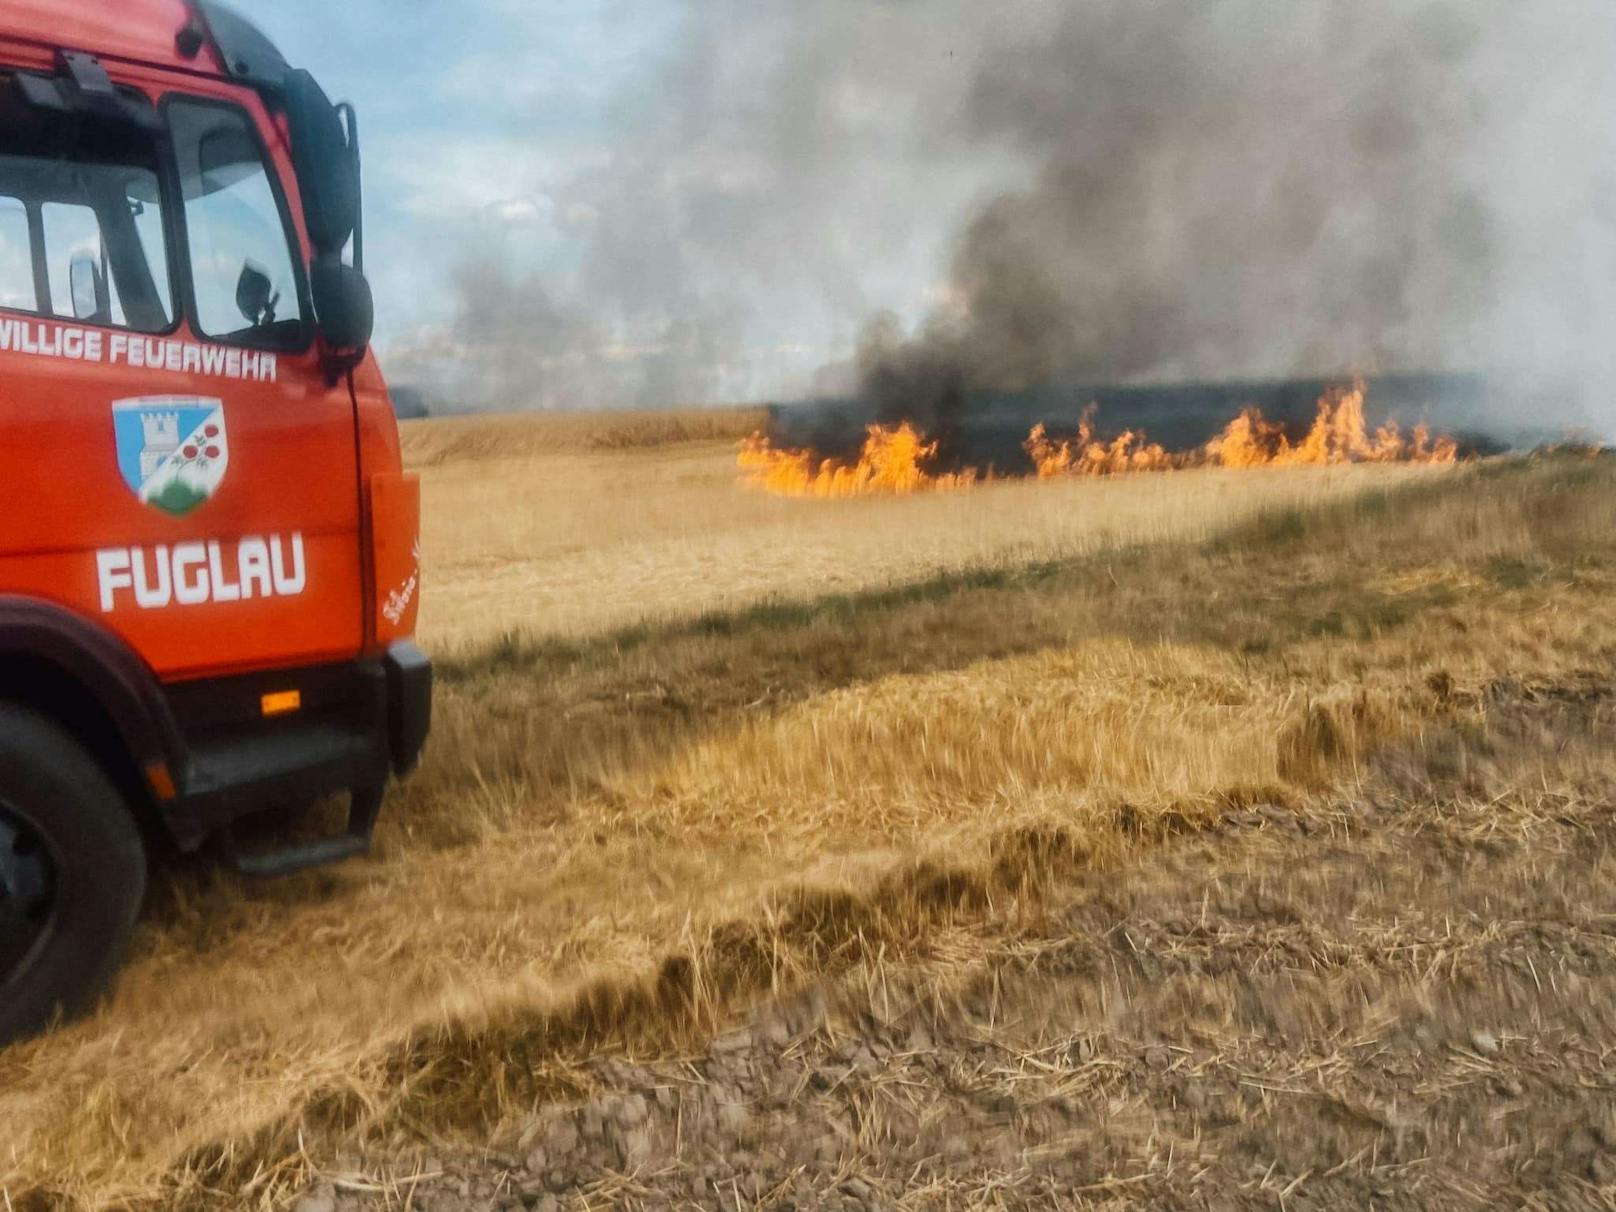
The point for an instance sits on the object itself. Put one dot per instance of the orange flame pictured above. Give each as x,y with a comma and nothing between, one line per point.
1338,435
1084,456
893,462
896,461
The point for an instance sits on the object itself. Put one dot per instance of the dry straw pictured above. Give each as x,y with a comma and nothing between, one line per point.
617,839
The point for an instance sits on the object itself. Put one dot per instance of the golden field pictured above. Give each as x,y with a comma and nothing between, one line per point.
695,745
540,527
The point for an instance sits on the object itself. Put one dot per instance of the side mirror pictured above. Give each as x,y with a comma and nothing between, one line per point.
88,288
326,163
342,304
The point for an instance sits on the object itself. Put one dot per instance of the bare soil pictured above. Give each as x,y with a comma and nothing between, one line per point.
1402,1000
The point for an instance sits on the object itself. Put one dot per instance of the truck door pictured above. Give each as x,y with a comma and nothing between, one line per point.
176,465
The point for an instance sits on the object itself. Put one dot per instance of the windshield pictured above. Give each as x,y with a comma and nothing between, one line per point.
242,266
84,234
81,225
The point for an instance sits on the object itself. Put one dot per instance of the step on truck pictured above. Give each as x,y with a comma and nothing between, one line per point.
209,552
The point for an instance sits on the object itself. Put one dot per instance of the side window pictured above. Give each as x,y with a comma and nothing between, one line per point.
73,236
81,219
70,231
242,263
16,258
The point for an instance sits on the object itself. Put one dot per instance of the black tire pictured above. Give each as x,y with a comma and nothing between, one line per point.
72,878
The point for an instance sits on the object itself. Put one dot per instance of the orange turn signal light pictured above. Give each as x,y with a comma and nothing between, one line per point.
282,702
160,780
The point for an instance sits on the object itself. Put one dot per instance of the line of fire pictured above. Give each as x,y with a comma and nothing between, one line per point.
836,449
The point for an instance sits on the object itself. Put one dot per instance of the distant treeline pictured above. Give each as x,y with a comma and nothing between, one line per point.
409,403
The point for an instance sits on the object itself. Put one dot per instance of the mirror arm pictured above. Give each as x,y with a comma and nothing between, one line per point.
345,312
350,119
339,365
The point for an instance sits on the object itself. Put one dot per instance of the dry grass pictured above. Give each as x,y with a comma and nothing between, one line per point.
443,440
1406,994
565,534
615,838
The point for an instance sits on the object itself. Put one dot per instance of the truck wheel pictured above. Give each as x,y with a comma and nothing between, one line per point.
72,874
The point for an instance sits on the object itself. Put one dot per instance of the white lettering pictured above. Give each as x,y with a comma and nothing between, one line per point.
147,595
223,590
195,573
398,601
112,570
288,586
252,560
189,591
91,345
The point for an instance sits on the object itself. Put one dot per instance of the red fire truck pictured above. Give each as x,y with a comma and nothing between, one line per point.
209,554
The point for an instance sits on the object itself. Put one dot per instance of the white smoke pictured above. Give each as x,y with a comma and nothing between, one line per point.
1137,189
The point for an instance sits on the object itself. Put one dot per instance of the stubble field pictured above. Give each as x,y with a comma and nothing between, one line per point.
1168,839
545,528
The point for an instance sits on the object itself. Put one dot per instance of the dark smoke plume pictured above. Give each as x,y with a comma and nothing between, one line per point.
1238,189
1140,190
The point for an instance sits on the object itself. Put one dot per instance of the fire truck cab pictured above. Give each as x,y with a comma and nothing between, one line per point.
209,554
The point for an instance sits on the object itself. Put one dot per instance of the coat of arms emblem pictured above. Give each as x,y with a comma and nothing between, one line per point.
172,450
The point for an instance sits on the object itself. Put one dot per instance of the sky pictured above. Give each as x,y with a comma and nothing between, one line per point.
515,139
650,202
473,113
657,202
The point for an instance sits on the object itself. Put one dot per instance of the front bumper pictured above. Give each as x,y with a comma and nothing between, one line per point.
356,724
409,703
